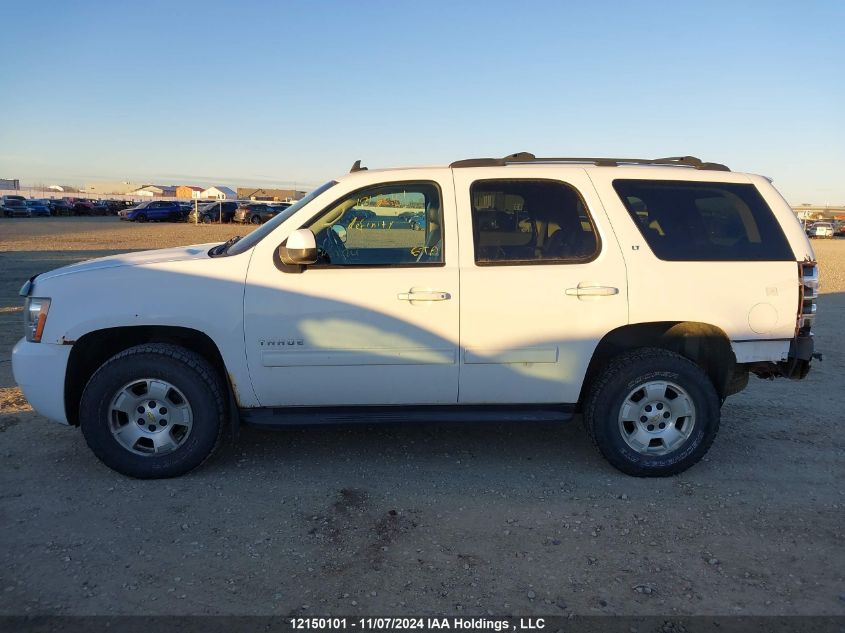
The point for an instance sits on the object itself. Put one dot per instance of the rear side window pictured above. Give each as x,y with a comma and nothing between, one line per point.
704,221
530,222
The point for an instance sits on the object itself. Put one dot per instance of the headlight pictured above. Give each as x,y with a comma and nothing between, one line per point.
35,317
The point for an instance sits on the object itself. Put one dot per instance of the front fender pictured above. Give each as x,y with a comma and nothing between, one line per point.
204,295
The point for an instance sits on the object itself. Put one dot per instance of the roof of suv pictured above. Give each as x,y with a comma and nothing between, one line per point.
528,159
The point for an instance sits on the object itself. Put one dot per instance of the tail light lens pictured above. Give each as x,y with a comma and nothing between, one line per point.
809,278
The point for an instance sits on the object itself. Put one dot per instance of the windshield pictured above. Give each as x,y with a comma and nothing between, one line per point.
265,229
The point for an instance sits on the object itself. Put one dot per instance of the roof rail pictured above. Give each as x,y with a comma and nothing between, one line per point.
527,157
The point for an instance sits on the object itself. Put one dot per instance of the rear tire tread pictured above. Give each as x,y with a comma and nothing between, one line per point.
624,363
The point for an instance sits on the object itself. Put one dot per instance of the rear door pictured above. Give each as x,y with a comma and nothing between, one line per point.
542,280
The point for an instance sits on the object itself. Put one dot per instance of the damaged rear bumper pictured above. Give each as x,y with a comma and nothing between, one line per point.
797,364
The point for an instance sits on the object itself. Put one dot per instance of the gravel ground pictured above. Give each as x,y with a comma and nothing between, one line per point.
436,518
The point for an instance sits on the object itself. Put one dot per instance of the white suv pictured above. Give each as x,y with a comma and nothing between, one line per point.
639,293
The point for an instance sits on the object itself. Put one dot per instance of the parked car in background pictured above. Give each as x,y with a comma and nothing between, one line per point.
60,207
15,207
100,207
213,212
116,206
820,229
124,214
38,209
258,212
158,211
83,207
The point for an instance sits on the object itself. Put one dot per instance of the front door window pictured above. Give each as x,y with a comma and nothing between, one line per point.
400,224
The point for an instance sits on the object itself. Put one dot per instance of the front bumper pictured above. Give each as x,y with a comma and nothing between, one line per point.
39,369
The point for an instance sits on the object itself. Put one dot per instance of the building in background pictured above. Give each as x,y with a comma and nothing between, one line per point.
188,191
6,183
819,212
269,195
218,193
106,187
148,191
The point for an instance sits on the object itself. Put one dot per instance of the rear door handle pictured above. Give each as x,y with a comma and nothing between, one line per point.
424,295
592,291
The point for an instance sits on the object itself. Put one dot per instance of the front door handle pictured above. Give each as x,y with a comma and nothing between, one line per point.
424,295
592,291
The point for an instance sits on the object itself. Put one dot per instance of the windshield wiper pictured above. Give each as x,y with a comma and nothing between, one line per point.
222,248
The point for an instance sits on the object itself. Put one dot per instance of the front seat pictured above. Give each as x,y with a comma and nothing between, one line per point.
434,240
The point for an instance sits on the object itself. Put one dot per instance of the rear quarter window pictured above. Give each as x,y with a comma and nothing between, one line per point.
704,221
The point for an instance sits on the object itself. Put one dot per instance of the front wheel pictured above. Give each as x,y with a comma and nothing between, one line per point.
255,220
652,413
153,411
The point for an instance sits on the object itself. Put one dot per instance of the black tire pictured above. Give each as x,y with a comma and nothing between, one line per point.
141,217
206,219
190,373
622,375
255,219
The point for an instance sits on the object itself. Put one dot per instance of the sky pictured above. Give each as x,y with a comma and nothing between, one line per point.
291,93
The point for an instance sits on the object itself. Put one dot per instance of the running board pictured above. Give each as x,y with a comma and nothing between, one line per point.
307,416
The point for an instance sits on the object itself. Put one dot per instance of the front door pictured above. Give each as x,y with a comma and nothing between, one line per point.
375,320
542,280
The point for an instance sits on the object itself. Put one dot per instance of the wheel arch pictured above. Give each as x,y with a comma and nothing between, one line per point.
93,349
705,344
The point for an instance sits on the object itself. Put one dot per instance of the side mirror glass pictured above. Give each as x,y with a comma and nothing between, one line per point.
299,249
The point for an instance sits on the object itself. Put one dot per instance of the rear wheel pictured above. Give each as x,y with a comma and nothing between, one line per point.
153,411
652,413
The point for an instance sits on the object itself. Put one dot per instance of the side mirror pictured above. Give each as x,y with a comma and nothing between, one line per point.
299,249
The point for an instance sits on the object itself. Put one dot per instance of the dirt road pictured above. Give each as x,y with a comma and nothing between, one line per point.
428,519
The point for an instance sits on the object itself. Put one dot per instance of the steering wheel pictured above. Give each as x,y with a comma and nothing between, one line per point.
334,247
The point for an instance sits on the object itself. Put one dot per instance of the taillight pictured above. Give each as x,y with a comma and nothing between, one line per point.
809,277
